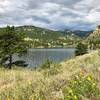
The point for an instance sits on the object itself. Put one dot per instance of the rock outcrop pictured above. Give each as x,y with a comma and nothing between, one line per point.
96,33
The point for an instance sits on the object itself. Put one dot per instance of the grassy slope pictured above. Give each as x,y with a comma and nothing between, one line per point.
23,84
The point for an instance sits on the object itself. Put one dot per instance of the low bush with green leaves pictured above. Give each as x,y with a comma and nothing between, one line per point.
80,87
53,70
47,64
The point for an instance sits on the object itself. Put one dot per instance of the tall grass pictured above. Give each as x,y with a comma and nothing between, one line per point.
52,83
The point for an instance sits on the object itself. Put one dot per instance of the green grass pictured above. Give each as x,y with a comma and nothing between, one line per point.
53,83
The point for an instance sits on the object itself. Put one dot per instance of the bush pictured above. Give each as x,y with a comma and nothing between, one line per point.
47,64
53,70
82,87
81,49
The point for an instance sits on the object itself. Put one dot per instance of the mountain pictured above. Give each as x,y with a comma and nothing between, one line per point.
47,38
80,33
37,32
41,37
46,34
50,38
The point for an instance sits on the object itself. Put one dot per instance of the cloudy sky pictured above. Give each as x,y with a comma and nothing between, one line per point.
51,14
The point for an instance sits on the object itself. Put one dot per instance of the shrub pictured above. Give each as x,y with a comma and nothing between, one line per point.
81,49
81,87
53,70
47,64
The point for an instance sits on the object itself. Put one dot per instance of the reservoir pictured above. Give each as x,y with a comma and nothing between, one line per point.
36,57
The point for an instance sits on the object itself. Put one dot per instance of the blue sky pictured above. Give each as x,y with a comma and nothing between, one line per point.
51,14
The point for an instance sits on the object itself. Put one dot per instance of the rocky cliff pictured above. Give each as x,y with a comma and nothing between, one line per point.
96,33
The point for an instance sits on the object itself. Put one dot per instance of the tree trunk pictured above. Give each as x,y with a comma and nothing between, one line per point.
10,61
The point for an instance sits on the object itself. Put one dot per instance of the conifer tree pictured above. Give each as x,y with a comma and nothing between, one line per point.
10,44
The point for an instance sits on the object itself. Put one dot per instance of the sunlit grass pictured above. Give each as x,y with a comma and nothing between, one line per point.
50,83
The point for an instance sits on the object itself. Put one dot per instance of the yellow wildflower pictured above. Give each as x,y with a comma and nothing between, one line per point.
8,98
75,82
68,96
30,82
89,78
94,84
70,91
31,97
75,97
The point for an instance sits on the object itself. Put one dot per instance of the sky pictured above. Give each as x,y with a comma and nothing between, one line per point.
51,14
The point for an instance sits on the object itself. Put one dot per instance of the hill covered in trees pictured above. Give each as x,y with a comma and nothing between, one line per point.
40,37
80,33
46,38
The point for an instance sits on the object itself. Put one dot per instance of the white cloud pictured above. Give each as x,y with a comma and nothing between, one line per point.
94,17
55,14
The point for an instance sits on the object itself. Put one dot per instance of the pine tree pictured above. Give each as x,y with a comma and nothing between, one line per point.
11,43
81,49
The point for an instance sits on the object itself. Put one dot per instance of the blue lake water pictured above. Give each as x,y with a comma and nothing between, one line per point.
36,57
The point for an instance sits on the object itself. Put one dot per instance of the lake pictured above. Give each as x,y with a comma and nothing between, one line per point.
36,57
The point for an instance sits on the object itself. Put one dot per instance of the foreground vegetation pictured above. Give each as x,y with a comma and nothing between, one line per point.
76,79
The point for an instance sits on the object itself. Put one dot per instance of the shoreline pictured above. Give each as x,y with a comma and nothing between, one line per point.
54,48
